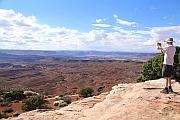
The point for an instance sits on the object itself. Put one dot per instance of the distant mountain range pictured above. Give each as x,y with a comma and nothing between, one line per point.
27,58
30,55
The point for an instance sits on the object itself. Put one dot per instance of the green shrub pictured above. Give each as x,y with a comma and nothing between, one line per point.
7,96
34,102
7,110
14,95
3,116
18,94
67,99
86,92
153,67
177,64
1,99
1,92
62,104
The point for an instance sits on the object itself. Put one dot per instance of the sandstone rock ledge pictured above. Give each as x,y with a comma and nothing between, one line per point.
139,101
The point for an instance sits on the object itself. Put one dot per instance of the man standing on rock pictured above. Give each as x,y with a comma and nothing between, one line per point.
167,70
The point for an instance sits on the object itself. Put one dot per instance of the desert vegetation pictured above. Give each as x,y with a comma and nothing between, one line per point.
86,92
3,116
25,100
30,100
62,101
34,102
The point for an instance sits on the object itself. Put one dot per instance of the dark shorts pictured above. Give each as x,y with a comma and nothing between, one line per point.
167,70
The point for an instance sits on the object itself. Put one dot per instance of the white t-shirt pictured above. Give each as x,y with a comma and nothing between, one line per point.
169,53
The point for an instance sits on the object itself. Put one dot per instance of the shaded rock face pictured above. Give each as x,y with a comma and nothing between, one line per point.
137,101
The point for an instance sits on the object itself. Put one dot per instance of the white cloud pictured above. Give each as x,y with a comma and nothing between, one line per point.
99,20
97,35
162,33
143,32
24,32
150,42
124,22
115,16
101,25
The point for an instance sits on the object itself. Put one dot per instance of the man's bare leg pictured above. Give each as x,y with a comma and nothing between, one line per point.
170,87
169,81
165,90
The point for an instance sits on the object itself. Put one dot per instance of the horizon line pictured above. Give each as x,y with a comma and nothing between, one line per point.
76,50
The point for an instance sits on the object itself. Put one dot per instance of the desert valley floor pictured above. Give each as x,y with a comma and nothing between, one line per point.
67,76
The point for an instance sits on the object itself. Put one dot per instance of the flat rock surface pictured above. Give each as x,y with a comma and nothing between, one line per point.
136,101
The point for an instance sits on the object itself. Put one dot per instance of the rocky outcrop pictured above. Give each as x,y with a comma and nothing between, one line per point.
136,101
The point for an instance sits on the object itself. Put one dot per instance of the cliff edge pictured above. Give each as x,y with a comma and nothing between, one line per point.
136,101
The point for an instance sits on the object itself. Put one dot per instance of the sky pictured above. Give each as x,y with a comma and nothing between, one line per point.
102,25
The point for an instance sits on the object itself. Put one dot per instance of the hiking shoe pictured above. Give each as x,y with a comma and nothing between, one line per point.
165,90
170,90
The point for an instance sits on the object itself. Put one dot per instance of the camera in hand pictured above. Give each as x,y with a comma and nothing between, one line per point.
159,44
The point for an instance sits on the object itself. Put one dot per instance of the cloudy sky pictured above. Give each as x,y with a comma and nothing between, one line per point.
104,25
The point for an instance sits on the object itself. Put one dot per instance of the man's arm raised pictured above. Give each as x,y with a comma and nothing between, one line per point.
160,47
